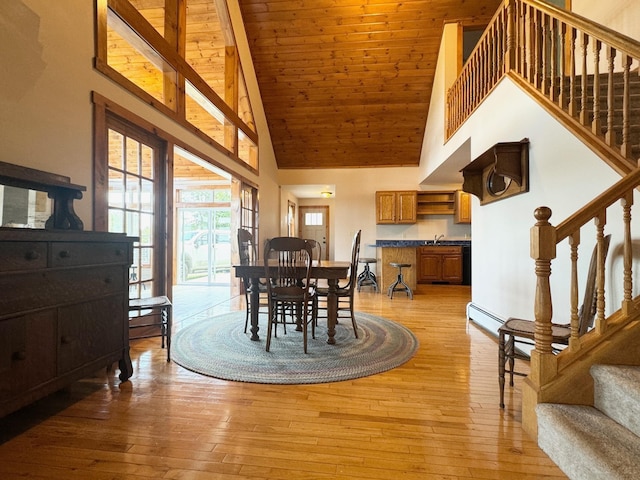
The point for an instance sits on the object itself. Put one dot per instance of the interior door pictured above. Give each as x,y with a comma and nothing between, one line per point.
314,224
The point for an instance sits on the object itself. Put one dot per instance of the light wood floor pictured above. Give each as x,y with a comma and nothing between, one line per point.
436,417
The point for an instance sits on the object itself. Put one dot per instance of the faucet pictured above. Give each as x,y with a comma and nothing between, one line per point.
437,239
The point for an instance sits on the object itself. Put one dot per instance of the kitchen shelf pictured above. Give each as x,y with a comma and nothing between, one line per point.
436,202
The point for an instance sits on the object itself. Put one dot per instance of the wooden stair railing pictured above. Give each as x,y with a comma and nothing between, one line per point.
546,366
583,73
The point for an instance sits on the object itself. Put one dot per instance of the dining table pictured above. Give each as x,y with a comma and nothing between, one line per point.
331,271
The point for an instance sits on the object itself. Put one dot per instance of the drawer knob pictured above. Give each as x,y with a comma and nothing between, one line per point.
64,254
65,339
118,252
107,280
19,355
32,255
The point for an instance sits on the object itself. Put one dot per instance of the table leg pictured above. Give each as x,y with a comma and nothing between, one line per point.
254,300
332,310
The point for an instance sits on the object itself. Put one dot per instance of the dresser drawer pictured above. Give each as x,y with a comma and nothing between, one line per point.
69,254
22,256
30,291
24,360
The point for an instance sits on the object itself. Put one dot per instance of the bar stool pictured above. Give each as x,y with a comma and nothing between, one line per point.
367,277
157,307
394,286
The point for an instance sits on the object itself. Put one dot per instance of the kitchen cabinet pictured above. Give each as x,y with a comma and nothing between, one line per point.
462,207
395,207
436,202
63,310
440,264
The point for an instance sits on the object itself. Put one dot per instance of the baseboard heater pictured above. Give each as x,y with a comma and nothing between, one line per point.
484,319
490,323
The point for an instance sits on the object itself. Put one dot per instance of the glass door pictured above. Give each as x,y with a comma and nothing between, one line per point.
134,204
204,245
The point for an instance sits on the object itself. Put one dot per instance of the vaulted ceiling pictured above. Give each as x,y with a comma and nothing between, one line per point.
347,83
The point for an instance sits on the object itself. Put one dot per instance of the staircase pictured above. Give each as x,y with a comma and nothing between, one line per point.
601,442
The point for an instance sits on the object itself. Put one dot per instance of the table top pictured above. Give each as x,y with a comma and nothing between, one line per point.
327,269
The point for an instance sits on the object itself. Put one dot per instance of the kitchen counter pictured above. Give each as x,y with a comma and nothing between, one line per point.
405,251
419,243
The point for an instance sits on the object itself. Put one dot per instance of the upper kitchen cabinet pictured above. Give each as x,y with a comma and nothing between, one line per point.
436,202
462,207
396,207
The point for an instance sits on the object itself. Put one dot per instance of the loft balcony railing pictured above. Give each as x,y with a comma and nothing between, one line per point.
586,74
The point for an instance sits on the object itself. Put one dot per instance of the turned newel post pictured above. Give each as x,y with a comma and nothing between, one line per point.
543,250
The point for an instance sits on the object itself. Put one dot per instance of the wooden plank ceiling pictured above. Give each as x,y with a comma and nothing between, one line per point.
347,83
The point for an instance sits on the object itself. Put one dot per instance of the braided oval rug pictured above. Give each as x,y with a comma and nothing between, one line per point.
218,347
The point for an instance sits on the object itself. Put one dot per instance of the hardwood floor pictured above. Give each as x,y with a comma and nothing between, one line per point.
436,417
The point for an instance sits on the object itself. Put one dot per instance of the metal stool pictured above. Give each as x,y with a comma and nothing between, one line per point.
157,307
367,277
394,286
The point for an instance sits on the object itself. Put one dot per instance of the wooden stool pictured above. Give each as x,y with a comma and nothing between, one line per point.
367,277
157,307
403,286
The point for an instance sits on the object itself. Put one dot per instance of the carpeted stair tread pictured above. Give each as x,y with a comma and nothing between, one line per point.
586,444
617,393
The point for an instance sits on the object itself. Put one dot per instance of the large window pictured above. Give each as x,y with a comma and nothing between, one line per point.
191,74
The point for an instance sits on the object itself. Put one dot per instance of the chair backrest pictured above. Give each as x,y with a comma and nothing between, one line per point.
355,255
316,248
587,311
246,248
287,262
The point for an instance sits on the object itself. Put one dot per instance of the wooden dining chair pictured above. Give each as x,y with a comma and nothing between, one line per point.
249,254
518,330
345,292
288,262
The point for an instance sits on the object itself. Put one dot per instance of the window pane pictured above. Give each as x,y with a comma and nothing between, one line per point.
196,196
247,150
146,161
205,43
146,229
222,195
116,221
313,218
146,194
152,11
244,105
203,114
133,224
133,192
116,189
116,150
136,60
133,156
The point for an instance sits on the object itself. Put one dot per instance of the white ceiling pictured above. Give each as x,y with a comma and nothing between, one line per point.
310,191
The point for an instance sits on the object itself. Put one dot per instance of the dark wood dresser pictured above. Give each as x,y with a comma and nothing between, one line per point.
63,310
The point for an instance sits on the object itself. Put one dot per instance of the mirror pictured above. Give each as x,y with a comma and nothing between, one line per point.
24,208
